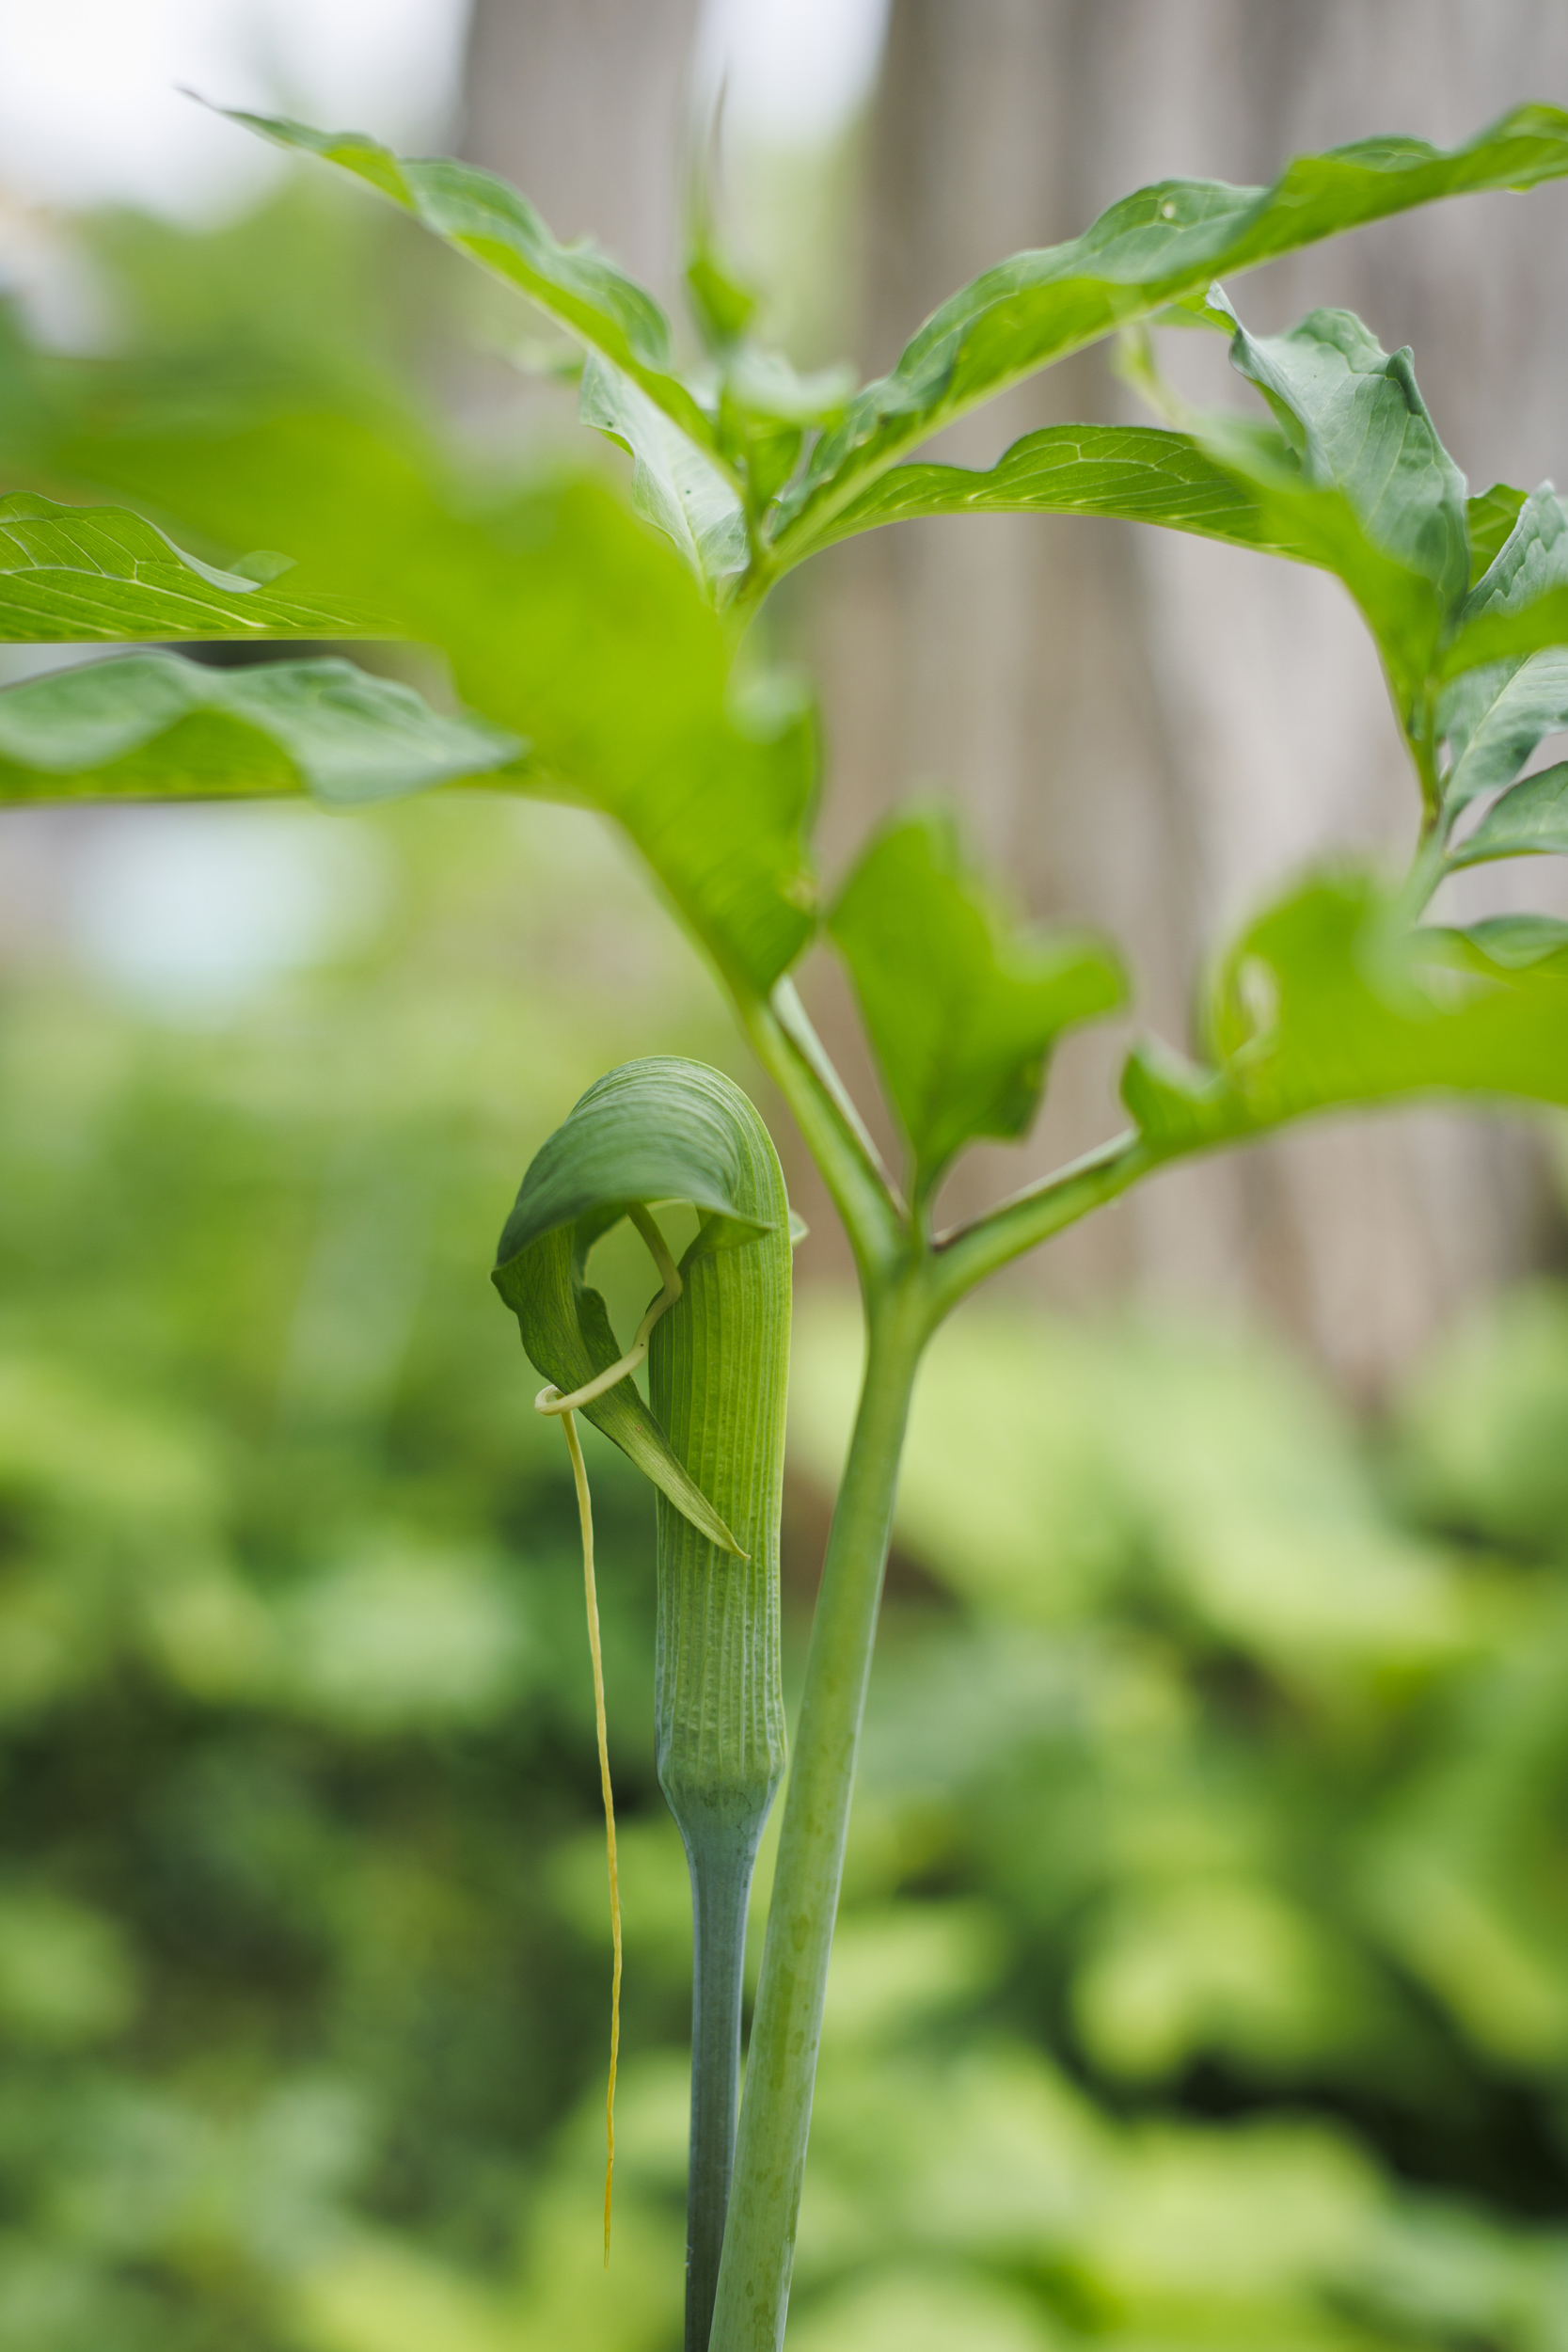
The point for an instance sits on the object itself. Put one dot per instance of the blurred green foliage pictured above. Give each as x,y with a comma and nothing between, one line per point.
1201,1981
1203,1977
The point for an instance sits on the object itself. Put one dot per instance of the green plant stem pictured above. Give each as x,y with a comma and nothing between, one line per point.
722,1855
789,1050
966,1256
775,2115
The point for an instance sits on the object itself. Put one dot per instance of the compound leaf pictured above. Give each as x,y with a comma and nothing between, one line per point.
652,1131
148,725
961,1009
1531,820
78,574
1157,247
491,221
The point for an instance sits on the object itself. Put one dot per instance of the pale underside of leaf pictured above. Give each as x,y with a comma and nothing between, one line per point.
674,486
149,726
1528,821
1494,717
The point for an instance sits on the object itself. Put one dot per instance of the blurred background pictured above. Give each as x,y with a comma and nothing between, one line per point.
1203,1976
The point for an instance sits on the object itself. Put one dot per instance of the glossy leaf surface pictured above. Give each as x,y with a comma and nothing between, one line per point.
150,727
76,574
962,1009
1328,1000
1159,246
652,1131
488,219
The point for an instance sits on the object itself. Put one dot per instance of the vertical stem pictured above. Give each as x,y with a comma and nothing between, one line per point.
721,1855
775,2116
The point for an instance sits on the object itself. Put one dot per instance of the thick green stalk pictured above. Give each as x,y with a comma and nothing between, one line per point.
775,2116
718,1368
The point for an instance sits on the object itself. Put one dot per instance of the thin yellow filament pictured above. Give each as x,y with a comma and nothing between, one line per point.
585,1513
551,1401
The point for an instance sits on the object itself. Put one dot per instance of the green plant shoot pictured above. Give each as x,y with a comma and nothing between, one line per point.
717,1337
593,641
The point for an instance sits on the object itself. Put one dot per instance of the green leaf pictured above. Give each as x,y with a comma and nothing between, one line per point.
1518,941
1356,423
1136,474
149,726
1494,716
961,1008
1528,822
1159,246
484,217
77,574
565,620
1330,999
673,487
1489,517
652,1131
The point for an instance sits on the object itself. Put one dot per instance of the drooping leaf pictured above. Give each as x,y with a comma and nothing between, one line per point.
1528,821
488,219
1330,999
1489,517
75,575
962,1009
652,1131
1159,246
674,486
565,622
150,727
1494,716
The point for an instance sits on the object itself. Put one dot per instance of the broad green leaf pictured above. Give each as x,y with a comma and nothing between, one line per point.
1489,517
489,220
961,1008
565,622
77,574
1329,1001
150,727
652,1131
1159,246
1527,822
1494,716
1357,424
1136,474
1519,940
673,485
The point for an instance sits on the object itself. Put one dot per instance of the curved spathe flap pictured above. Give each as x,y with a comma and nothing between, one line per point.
662,1129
